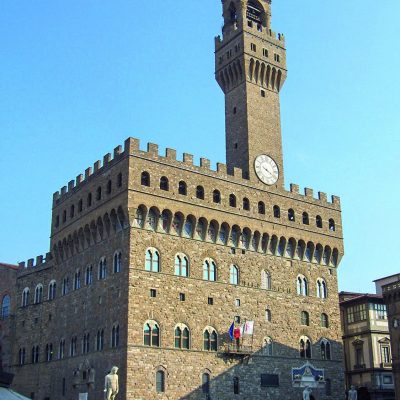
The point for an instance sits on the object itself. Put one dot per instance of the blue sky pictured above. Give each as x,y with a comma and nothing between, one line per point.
78,77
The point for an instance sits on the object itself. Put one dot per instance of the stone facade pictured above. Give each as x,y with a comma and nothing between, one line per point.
179,251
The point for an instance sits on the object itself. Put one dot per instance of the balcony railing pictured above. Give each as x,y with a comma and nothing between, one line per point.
236,350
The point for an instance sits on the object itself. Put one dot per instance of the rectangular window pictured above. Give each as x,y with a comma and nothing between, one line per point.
250,24
385,351
210,301
265,52
253,47
182,296
269,380
237,302
356,313
153,293
237,319
262,93
277,57
380,310
387,380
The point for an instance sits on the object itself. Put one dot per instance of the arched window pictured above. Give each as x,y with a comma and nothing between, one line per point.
151,334
103,268
119,180
73,346
98,193
261,207
266,280
86,343
182,188
236,385
49,352
188,227
160,381
117,262
77,280
152,219
182,337
234,275
5,306
205,383
246,204
200,192
306,219
181,265
318,221
268,346
25,297
39,294
65,286
324,321
109,187
321,289
210,339
145,179
52,290
64,216
89,275
302,285
325,349
164,183
35,354
268,316
232,200
61,349
22,356
72,211
305,347
209,270
216,196
115,336
89,199
100,340
332,226
152,260
305,318
291,215
277,212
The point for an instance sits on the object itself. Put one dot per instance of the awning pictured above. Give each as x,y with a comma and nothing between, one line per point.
8,394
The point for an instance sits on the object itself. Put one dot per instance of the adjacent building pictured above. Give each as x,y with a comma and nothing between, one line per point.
391,294
366,342
152,259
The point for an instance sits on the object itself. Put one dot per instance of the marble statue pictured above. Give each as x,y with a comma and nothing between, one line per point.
306,393
111,387
352,393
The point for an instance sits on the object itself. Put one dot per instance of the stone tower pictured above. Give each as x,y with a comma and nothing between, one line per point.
251,69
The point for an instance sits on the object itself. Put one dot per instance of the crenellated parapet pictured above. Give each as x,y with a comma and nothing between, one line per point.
35,263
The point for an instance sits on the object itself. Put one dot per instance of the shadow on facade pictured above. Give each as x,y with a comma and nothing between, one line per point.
256,374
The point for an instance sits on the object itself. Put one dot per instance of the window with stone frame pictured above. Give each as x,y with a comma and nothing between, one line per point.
305,347
234,275
151,334
100,340
160,381
182,337
305,318
325,349
25,297
115,336
181,265
152,263
39,293
209,270
117,262
52,290
5,306
210,339
102,268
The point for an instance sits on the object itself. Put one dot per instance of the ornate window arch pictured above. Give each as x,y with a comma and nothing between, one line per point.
38,294
152,260
182,336
210,339
25,297
181,265
117,261
151,333
322,291
209,270
51,295
115,335
102,268
77,279
5,306
89,275
325,349
302,285
234,275
266,281
305,347
268,346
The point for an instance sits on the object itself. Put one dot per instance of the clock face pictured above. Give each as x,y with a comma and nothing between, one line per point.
266,169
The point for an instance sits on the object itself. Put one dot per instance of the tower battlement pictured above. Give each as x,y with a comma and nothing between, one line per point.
132,148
